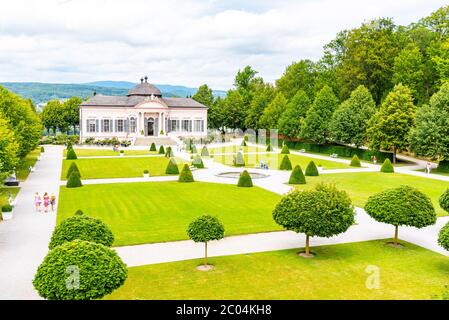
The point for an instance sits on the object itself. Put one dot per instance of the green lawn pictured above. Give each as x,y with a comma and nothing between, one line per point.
98,168
234,149
274,160
4,194
107,152
23,169
361,185
337,272
161,211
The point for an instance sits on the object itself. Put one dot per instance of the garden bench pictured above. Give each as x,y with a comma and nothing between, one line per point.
334,155
302,150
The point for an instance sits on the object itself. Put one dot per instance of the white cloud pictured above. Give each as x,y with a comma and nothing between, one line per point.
187,42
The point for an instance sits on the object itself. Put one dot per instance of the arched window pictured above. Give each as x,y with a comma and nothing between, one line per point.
132,124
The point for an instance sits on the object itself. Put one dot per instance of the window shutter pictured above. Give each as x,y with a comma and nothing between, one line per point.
97,125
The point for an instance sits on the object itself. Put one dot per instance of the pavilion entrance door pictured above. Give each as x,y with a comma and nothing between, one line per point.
150,127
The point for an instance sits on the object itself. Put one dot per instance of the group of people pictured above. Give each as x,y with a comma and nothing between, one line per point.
46,200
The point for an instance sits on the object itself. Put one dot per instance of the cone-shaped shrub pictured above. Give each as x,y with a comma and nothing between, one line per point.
285,164
42,149
153,147
297,176
74,181
172,167
161,150
169,152
355,161
269,148
285,149
245,180
186,174
243,144
239,160
79,212
73,168
387,167
312,170
71,155
204,152
193,149
198,162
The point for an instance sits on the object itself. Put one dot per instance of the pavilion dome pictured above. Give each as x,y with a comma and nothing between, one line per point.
145,89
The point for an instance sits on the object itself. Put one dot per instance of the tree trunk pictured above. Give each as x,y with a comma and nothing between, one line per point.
307,245
205,253
396,235
394,154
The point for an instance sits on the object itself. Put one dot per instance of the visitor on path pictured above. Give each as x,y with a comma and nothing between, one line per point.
46,201
428,167
10,199
52,201
37,201
374,159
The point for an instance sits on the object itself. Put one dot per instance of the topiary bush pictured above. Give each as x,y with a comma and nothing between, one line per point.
73,168
81,227
243,144
269,148
285,149
239,160
443,237
387,167
161,150
312,170
74,181
355,161
186,174
443,166
402,206
42,150
79,212
79,270
172,167
153,147
444,201
285,164
6,208
297,176
71,155
204,152
245,180
193,149
198,162
169,152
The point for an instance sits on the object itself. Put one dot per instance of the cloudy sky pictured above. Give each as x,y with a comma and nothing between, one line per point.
187,42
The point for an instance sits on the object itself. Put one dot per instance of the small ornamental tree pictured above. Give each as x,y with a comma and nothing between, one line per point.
71,155
198,162
312,170
204,152
402,206
443,237
243,144
355,161
285,149
42,149
285,163
239,160
387,166
269,148
169,152
98,269
153,147
74,181
297,176
444,201
81,227
186,174
204,229
73,168
245,180
161,150
79,212
193,149
322,212
172,167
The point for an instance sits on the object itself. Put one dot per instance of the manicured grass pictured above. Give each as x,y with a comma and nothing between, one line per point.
274,160
107,152
234,149
337,272
161,211
23,169
360,185
99,168
4,191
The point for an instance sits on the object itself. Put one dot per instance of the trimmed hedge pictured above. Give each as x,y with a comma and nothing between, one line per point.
444,200
73,168
443,237
81,227
285,149
161,150
172,167
355,161
7,208
153,147
387,167
79,270
312,170
269,148
285,163
443,166
186,175
198,162
239,160
71,155
74,181
204,152
297,176
245,180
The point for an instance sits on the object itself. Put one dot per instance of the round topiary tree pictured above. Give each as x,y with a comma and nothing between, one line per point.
204,152
204,229
444,201
297,176
153,147
239,160
193,149
402,206
161,150
355,161
443,237
387,167
312,170
73,168
186,175
198,162
74,181
269,148
71,155
81,227
285,149
245,180
172,167
285,164
79,270
322,212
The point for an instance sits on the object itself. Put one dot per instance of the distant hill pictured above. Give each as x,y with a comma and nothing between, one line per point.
43,92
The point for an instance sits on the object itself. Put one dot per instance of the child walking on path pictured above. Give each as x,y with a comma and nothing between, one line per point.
37,201
52,201
46,201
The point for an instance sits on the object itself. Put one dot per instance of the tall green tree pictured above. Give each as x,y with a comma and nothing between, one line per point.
215,115
71,108
438,22
234,110
297,76
262,96
291,120
53,116
274,111
204,95
390,126
350,120
9,149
